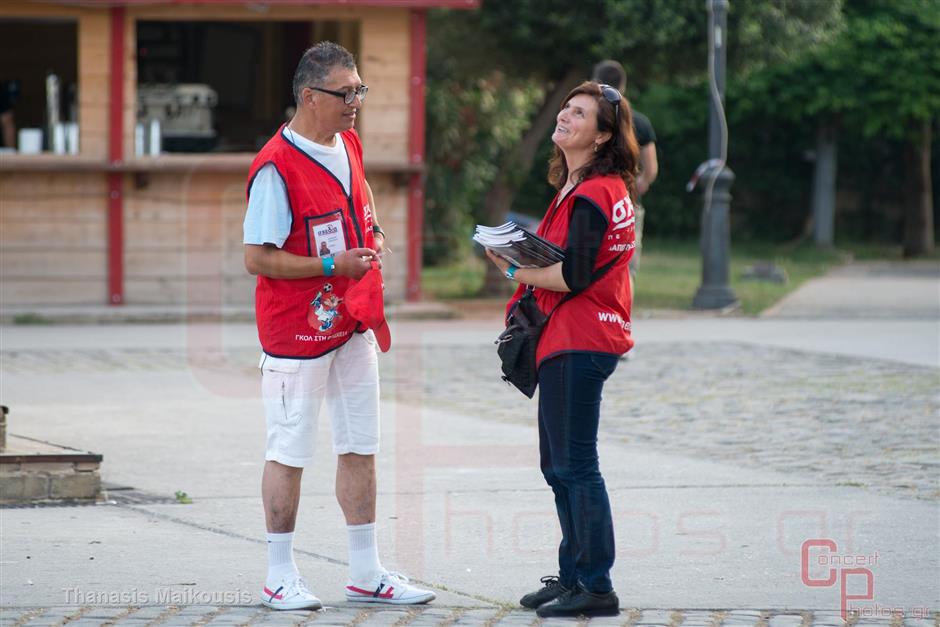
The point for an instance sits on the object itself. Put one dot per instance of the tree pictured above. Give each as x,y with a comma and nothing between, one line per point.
555,43
880,77
475,115
896,67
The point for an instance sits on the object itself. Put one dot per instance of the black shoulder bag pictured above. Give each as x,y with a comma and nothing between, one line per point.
517,345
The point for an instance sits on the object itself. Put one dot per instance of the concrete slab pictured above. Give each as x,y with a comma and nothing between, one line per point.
462,505
487,532
871,290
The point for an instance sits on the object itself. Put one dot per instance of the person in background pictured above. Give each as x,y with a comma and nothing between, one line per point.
9,91
612,73
592,217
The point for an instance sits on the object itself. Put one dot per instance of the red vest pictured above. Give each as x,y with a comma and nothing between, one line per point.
305,318
597,320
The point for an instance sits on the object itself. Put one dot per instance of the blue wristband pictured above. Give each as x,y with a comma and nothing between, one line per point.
329,265
511,272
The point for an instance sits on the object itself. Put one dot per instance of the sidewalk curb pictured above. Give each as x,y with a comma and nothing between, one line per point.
159,314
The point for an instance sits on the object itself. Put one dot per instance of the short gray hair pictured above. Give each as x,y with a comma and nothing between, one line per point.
317,63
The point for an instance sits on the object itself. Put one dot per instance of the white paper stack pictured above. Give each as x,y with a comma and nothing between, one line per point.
518,246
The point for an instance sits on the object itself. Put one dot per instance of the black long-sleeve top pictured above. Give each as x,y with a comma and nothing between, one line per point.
585,237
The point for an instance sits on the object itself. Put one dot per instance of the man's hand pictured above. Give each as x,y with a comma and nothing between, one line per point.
355,263
641,186
379,244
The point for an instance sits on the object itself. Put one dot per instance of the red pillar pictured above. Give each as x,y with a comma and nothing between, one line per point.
418,76
115,157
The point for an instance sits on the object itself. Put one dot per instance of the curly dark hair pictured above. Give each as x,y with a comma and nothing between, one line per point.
619,155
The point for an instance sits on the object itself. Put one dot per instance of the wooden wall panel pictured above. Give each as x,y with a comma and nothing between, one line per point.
42,186
165,234
51,291
52,239
184,12
392,206
184,262
384,66
52,235
130,85
94,49
76,261
189,187
183,239
203,293
45,10
55,210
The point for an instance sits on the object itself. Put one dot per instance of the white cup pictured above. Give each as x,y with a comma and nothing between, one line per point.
71,137
140,146
155,145
58,138
30,141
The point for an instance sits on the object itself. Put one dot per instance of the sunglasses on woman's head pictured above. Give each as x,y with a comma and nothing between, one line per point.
612,96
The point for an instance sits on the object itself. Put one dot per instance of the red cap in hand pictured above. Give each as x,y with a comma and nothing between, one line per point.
364,302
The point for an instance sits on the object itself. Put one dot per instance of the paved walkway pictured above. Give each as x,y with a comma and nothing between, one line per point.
871,290
725,444
227,615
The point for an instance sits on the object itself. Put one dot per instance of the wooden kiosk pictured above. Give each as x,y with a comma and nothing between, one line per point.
111,226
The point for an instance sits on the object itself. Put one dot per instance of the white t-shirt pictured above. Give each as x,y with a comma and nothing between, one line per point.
268,219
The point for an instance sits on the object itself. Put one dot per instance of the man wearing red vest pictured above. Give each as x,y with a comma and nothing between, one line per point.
310,232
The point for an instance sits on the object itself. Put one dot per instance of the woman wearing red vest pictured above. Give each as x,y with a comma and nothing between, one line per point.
592,218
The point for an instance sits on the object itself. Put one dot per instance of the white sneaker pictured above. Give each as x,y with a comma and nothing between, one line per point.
389,588
291,594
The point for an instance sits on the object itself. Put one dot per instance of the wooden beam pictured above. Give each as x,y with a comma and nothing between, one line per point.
116,157
395,4
237,162
416,124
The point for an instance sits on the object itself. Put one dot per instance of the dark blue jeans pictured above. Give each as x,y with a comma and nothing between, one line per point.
569,410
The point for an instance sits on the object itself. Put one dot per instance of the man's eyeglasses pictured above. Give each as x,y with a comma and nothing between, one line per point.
347,96
612,96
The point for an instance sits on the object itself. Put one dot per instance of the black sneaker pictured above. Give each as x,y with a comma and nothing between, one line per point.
580,602
551,590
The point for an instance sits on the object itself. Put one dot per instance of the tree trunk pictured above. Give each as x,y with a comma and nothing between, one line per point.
498,200
824,183
918,221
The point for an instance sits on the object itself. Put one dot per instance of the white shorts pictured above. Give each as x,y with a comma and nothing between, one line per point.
293,391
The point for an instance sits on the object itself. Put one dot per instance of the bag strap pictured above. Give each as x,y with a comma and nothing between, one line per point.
595,277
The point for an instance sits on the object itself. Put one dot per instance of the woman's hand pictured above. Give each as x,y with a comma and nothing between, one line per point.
549,278
498,261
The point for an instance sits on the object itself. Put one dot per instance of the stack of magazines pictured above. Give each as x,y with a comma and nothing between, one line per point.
518,246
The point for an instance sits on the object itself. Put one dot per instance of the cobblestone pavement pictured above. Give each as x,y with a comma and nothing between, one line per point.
176,616
832,420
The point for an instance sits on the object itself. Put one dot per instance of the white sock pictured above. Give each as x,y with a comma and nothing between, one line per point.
280,557
363,553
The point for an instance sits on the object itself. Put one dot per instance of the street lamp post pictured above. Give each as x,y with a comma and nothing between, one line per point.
715,291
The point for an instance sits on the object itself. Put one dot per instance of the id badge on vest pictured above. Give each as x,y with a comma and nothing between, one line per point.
326,234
